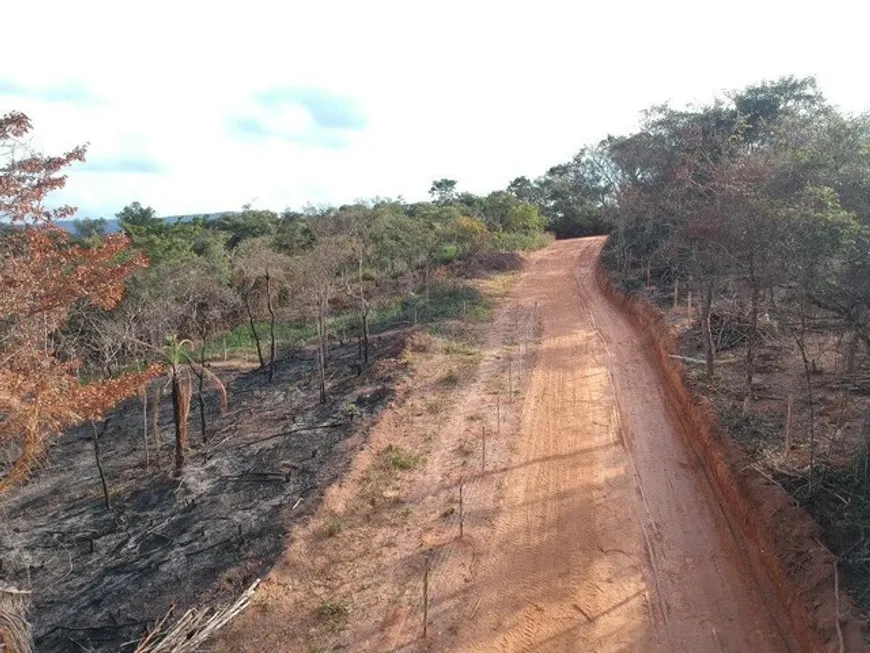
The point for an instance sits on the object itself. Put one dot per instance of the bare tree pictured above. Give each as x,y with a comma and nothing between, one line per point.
322,266
261,273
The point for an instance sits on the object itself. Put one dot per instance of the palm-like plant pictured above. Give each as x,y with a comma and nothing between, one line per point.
181,364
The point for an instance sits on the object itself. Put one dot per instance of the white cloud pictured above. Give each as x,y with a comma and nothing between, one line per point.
481,92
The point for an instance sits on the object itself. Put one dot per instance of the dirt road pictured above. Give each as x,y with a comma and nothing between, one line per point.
608,537
589,525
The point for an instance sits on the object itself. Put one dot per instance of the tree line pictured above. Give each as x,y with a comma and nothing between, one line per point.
87,318
762,196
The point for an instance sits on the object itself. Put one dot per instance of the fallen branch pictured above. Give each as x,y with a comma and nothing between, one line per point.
193,628
330,425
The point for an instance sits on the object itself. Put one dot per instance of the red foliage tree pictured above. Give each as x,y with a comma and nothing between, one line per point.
42,274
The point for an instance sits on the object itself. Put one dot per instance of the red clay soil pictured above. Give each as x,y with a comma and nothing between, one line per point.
782,540
609,537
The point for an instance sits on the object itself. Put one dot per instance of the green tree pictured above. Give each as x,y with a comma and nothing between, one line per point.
249,223
443,191
136,215
91,230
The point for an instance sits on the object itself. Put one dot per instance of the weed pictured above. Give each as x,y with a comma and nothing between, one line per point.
334,613
458,348
400,458
451,377
333,527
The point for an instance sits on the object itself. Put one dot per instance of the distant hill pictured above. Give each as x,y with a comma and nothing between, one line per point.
113,226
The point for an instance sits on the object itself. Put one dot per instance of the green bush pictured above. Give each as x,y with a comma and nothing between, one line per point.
400,458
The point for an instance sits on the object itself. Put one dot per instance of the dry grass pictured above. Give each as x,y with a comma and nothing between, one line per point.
498,286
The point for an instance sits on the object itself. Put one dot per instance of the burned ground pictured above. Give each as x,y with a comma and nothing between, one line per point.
99,576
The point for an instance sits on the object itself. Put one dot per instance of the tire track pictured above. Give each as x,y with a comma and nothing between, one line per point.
607,539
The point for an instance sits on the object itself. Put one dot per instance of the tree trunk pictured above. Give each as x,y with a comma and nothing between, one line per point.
200,396
363,314
145,428
155,422
321,360
254,333
96,441
706,310
752,336
800,339
271,326
180,408
324,328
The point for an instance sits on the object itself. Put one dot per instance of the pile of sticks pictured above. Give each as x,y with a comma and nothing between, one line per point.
15,634
193,628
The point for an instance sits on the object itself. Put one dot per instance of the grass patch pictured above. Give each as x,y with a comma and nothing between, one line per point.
399,458
241,339
451,378
454,347
445,302
334,613
334,526
514,241
499,285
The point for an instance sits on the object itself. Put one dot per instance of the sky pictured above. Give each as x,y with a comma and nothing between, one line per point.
194,107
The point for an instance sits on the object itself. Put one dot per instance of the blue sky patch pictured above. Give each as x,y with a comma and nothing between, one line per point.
71,92
327,110
124,165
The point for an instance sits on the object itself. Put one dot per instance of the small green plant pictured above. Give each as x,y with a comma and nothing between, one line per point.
458,348
352,411
451,377
400,458
333,527
316,648
334,613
